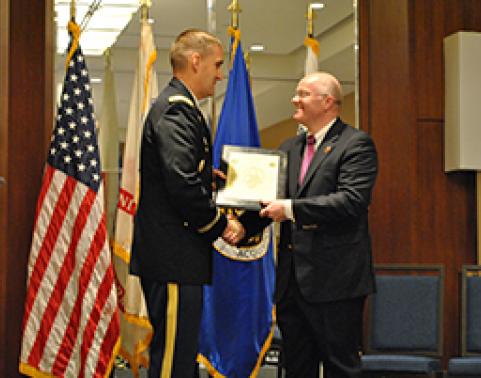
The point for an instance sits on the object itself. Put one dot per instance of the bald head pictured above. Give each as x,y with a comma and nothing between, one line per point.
325,83
317,100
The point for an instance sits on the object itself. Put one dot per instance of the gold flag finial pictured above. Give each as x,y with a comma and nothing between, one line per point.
144,9
72,9
310,17
235,9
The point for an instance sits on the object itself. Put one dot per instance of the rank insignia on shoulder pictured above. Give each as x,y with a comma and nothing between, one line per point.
201,165
180,98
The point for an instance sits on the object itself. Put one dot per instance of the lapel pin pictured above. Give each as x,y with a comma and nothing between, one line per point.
327,149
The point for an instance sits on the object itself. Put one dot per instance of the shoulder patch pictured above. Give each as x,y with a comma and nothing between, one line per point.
180,98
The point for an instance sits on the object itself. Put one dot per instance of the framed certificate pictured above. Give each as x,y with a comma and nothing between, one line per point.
253,174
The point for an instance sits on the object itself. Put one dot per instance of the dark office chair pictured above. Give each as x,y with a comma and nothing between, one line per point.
273,356
405,321
469,364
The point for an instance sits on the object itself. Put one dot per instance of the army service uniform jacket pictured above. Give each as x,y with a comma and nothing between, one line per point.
176,220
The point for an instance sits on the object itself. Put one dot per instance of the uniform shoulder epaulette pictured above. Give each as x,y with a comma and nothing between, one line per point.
180,98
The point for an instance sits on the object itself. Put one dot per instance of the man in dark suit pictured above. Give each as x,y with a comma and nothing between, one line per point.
176,221
324,265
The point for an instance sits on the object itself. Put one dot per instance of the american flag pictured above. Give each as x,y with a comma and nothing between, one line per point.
71,324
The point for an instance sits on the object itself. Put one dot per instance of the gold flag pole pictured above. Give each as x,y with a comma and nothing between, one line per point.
478,213
310,25
211,28
144,9
235,9
234,31
72,10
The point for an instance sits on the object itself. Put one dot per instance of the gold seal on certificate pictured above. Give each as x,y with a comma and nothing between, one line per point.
253,174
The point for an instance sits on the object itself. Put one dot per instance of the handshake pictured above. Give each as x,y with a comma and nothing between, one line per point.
234,231
274,210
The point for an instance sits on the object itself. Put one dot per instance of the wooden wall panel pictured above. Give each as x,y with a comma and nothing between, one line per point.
419,214
388,101
25,133
4,39
427,55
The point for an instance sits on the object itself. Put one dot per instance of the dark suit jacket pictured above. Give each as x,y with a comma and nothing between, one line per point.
176,220
329,245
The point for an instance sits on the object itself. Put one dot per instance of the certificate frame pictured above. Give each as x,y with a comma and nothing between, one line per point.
252,174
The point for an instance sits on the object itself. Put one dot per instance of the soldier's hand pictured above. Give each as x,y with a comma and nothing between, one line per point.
234,232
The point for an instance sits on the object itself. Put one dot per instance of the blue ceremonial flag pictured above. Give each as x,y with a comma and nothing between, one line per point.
238,317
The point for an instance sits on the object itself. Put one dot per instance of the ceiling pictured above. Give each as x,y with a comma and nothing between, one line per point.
280,25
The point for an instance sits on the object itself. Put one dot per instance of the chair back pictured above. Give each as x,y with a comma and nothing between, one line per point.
471,310
406,313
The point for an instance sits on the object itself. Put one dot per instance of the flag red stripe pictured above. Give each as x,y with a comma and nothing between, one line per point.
70,336
48,244
108,345
47,179
102,295
62,280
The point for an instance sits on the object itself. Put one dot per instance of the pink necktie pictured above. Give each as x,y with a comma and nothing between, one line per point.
308,154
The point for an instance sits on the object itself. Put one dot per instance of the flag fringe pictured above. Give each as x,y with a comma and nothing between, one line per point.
121,252
265,347
31,371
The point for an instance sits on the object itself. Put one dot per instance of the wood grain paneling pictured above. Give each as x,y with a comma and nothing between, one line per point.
25,134
419,213
4,39
427,59
390,121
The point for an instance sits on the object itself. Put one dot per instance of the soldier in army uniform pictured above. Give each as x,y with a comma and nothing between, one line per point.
176,221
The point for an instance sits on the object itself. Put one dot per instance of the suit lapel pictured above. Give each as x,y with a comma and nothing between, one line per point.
325,148
295,157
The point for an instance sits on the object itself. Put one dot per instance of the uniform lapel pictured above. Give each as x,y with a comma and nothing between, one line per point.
177,84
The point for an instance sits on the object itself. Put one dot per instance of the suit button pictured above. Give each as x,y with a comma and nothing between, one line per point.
289,247
186,224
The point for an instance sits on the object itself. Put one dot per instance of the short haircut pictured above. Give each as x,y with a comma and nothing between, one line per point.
189,41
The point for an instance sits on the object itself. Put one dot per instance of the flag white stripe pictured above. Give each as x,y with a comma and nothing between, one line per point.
100,332
88,304
101,266
50,276
71,293
44,217
54,341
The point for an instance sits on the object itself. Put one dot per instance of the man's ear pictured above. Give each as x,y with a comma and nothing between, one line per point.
195,60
